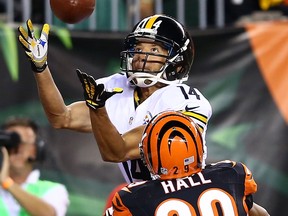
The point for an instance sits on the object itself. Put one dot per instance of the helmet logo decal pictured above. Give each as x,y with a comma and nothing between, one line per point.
188,160
163,170
147,117
149,24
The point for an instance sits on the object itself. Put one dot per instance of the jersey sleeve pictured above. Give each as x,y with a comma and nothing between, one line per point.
189,101
250,184
198,108
118,207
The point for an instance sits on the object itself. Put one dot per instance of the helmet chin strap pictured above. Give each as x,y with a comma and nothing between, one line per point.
143,80
146,79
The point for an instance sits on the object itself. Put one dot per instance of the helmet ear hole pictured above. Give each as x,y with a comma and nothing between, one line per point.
174,72
171,73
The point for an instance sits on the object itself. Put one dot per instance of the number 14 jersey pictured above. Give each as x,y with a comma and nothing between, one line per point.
126,113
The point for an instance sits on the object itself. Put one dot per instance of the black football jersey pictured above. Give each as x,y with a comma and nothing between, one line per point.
219,189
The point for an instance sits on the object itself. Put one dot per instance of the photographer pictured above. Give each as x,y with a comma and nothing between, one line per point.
22,193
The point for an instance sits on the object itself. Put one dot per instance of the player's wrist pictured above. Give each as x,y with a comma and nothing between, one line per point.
94,106
36,69
7,183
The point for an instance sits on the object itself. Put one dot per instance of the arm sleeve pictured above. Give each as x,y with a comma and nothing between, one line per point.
249,201
119,209
250,184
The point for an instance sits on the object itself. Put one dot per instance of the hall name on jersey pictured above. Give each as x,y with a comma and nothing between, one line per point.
170,186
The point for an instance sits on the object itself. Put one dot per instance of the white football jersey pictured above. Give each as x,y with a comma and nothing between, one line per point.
125,114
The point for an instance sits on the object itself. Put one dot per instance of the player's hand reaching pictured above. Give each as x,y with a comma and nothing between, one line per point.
35,49
95,94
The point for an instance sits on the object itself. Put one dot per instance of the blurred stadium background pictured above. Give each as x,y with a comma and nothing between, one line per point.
240,65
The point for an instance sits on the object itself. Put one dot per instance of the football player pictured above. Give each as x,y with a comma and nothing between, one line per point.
172,149
156,59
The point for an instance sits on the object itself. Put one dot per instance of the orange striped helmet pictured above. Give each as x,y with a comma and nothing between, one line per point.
172,146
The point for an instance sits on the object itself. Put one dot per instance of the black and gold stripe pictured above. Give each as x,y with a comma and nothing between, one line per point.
200,117
151,21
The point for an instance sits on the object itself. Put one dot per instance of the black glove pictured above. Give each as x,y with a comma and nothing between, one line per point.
95,94
35,49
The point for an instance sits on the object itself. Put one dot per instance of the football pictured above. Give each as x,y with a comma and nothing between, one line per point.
72,11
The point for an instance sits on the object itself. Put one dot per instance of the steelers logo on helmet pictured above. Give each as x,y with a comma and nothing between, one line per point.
169,34
172,146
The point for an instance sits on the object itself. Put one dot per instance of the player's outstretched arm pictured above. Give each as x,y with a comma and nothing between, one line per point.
74,116
58,114
112,146
258,210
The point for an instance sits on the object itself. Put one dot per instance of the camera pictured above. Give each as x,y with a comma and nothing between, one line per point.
9,140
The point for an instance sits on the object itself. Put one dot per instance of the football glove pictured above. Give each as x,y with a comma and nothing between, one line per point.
35,49
95,94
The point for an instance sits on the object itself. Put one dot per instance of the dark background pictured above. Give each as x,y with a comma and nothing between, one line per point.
246,124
